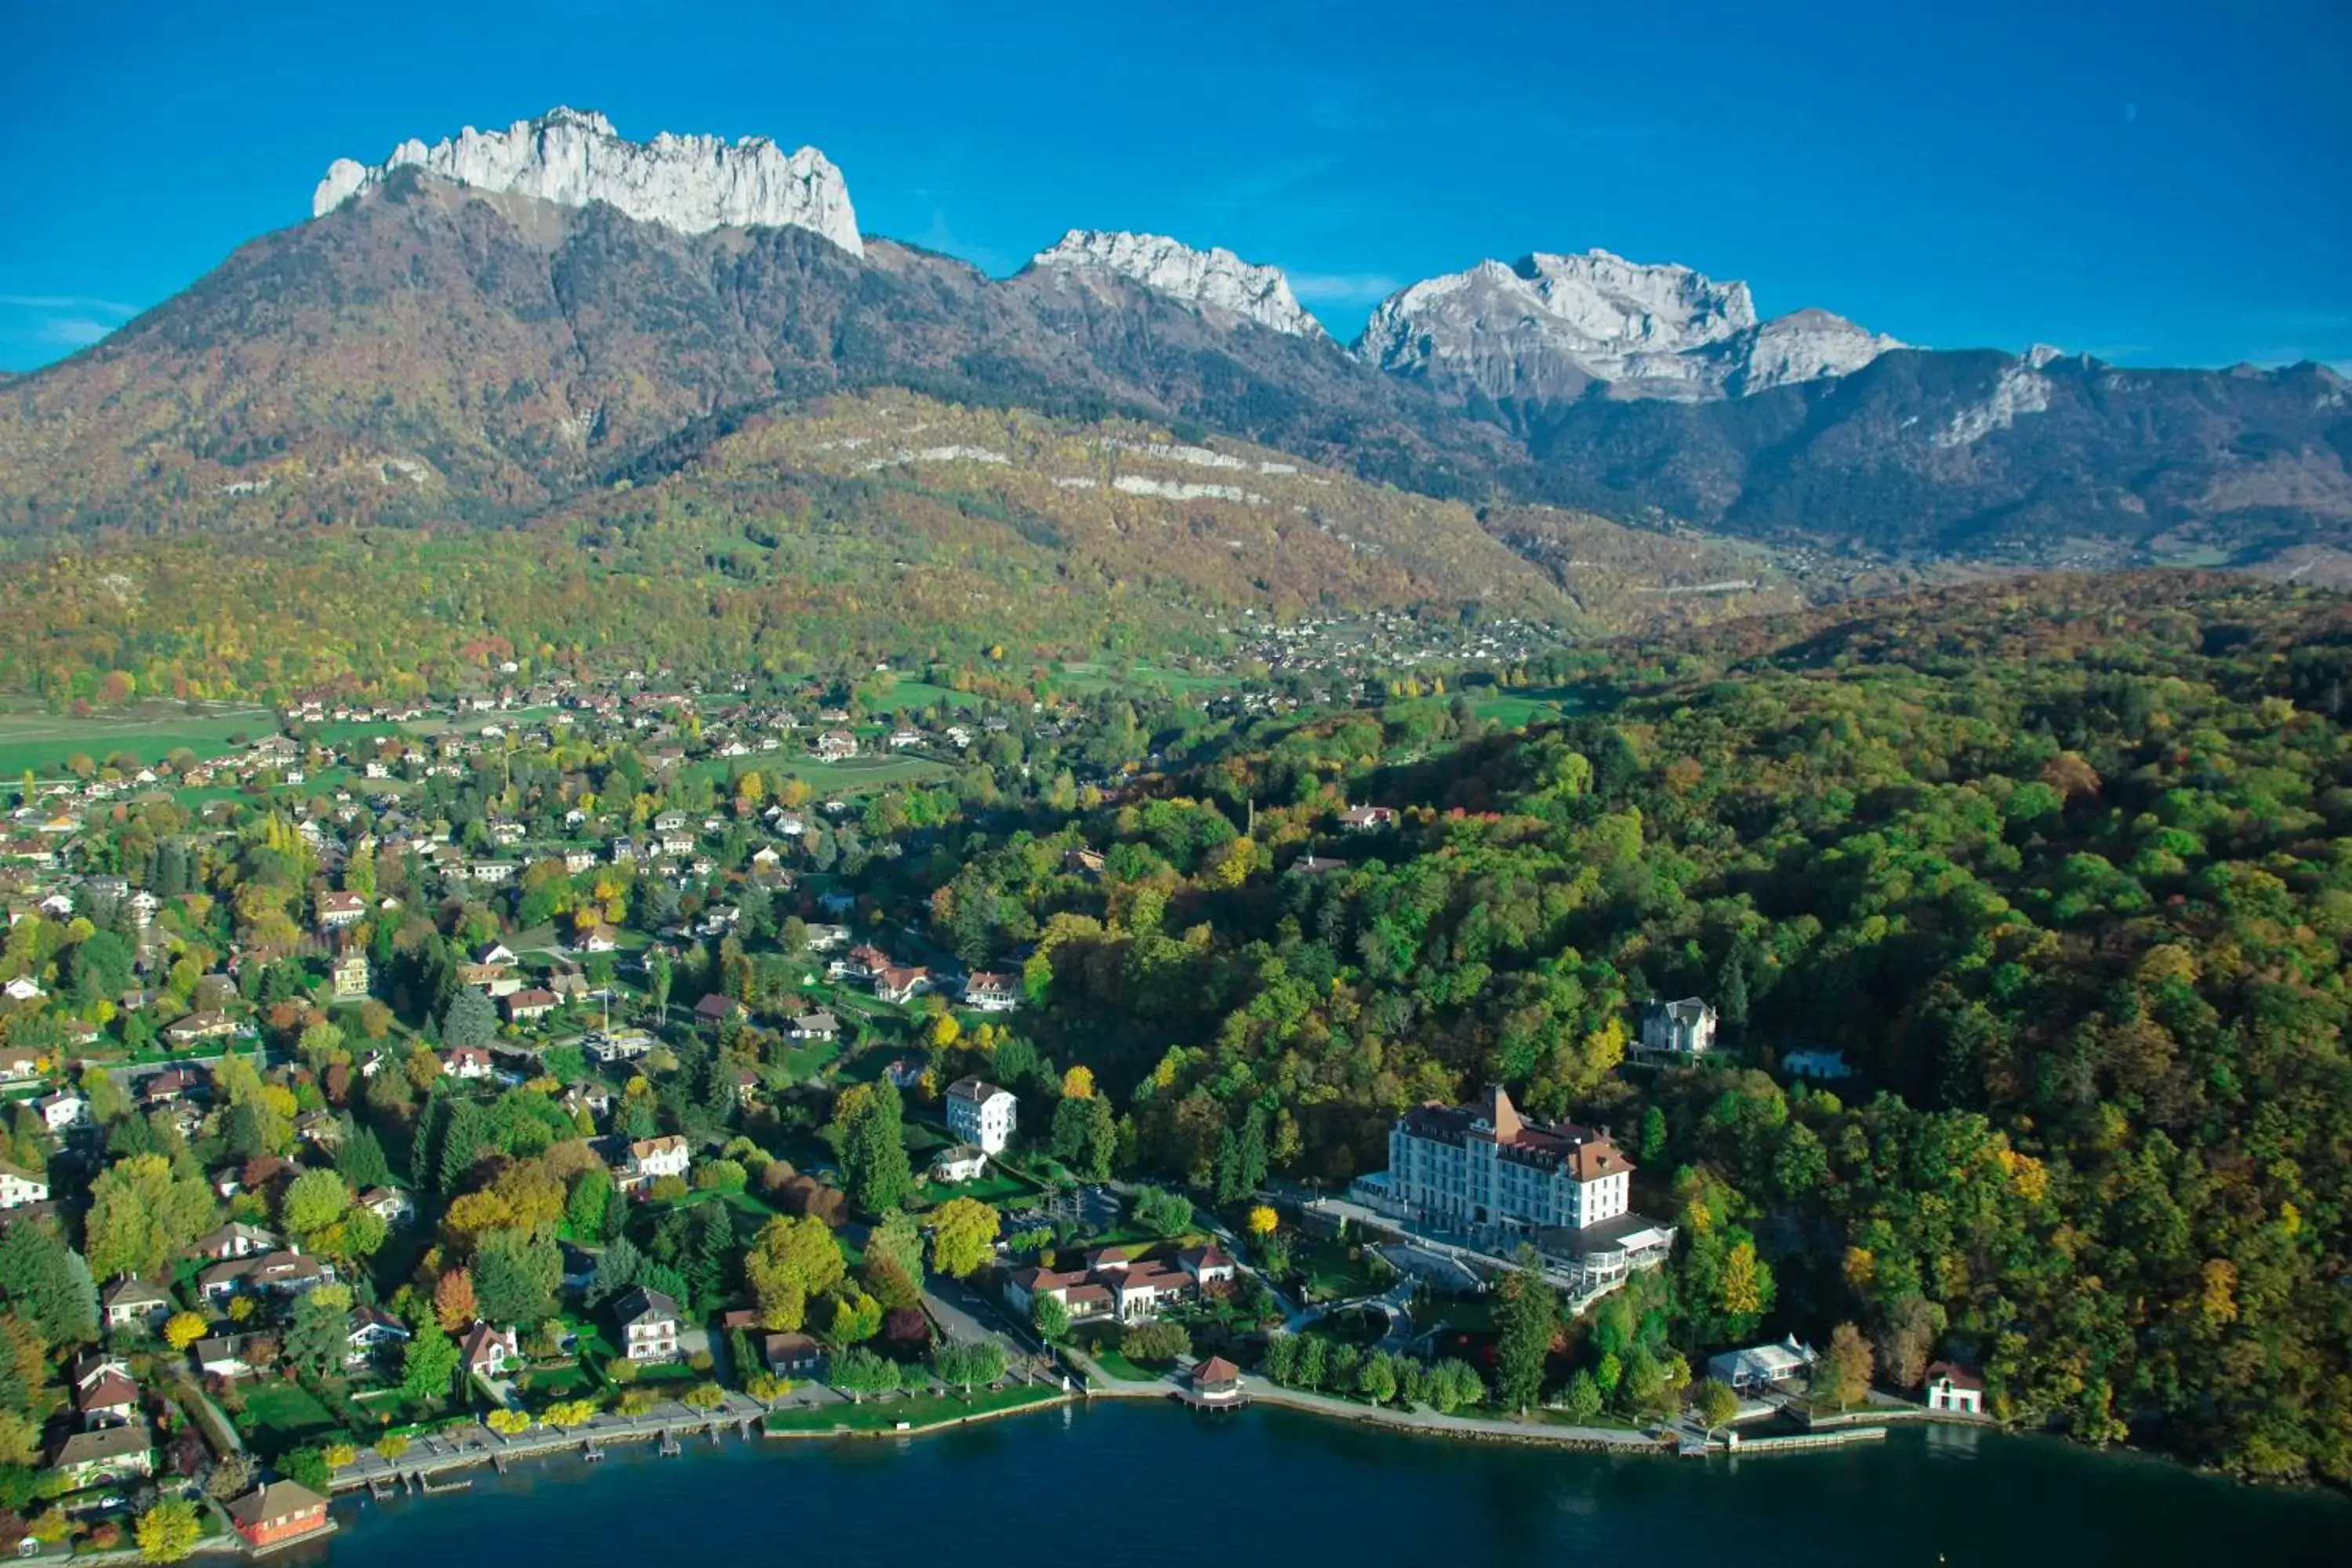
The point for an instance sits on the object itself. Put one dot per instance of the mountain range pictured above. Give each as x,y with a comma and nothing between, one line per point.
490,328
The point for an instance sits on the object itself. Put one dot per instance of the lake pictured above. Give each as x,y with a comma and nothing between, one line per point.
1122,1482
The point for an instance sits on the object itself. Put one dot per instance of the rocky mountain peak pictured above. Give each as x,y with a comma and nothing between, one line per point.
1548,326
690,183
1215,276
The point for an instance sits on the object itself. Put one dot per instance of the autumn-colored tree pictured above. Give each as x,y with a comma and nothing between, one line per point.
453,1300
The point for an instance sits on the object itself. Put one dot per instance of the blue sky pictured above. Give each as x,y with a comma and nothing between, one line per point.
2157,183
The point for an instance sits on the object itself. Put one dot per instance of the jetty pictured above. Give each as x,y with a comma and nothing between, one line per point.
1831,1438
470,1446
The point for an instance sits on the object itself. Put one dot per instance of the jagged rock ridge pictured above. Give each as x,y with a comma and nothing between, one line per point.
1547,327
1216,277
690,183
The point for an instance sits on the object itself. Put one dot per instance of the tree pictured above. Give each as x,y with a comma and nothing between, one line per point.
1582,1396
508,1423
168,1531
1050,1318
472,1019
516,1278
964,1363
183,1329
1264,1220
313,1202
792,1262
963,1237
453,1300
1376,1380
584,1208
49,1282
1161,1212
359,1158
429,1363
1155,1339
899,1239
859,1371
141,1214
870,1121
1718,1404
1526,1317
316,1340
1850,1366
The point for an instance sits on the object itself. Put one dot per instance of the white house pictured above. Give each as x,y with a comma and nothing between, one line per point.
1485,1168
648,1322
979,1112
1684,1028
64,1110
22,989
19,1187
964,1163
1954,1388
992,992
1761,1366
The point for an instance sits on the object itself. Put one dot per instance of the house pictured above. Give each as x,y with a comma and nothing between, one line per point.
196,1029
905,1073
19,1187
485,1352
63,1111
106,1454
336,911
1080,1296
281,1511
372,1333
465,1062
648,1160
1684,1028
648,1322
824,938
818,1025
1952,1387
24,990
1216,1381
836,745
716,1009
285,1273
19,1064
590,1096
111,1400
600,939
791,1355
1483,1167
863,961
1208,1265
990,991
902,739
1761,1366
222,1356
1083,862
491,952
235,1239
525,1005
1822,1065
901,985
964,1163
620,1045
980,1112
129,1301
1366,819
390,1204
351,977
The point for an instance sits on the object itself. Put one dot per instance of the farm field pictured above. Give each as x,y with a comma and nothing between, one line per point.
43,742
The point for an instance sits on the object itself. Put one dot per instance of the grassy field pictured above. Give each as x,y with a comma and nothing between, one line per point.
43,742
1098,677
1519,709
851,777
923,1410
923,694
278,1415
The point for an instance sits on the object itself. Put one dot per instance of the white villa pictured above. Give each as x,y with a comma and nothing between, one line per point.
979,1112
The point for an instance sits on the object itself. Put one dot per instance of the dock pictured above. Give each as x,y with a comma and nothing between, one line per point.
1835,1438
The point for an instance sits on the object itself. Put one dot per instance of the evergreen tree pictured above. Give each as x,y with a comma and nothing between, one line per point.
874,1152
1525,1319
1253,1152
464,1142
471,1019
360,1157
49,1282
1731,991
616,1270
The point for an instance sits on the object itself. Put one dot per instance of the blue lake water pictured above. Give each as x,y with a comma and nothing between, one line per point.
1121,1481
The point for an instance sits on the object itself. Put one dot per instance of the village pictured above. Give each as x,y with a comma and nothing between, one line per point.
572,1075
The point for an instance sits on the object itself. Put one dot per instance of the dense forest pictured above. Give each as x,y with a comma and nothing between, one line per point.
2066,877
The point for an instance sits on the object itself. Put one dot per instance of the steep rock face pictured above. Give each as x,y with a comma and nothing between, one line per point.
1546,327
1215,277
690,183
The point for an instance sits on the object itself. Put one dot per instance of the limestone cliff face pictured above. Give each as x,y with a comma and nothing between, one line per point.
1214,277
690,183
1546,327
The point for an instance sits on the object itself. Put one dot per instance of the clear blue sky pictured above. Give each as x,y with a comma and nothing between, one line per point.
2162,182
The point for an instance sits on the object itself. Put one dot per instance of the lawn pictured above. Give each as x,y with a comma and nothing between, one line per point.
1331,1274
1116,1364
42,741
849,777
998,1187
278,1415
922,1410
921,694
